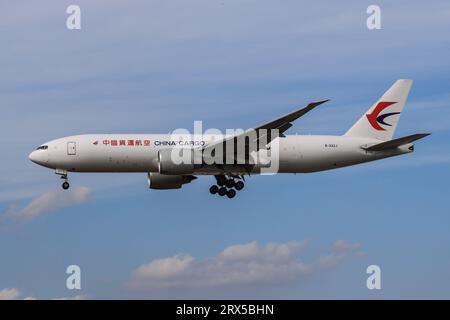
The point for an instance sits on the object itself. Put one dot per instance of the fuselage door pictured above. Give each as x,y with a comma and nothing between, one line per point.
71,148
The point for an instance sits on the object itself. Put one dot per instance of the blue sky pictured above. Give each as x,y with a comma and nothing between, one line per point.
153,66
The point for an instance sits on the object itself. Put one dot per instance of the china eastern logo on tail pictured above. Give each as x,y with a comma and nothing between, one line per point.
376,119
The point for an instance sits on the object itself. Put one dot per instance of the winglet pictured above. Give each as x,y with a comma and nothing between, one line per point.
290,117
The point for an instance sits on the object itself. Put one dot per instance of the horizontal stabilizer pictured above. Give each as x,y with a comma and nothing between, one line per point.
397,142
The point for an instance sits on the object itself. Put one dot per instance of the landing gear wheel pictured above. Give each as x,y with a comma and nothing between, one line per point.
230,183
231,193
221,181
214,189
239,185
222,191
65,185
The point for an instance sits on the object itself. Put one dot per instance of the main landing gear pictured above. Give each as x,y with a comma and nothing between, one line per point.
227,186
63,175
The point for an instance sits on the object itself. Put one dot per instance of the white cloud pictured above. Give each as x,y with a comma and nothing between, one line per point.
77,297
9,294
242,265
13,293
252,251
343,247
48,202
340,250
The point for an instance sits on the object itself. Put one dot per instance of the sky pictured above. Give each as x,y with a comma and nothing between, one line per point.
155,66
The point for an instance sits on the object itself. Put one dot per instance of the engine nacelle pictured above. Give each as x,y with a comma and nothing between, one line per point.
171,164
164,182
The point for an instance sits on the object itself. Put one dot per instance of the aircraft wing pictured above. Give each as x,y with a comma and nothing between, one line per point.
282,124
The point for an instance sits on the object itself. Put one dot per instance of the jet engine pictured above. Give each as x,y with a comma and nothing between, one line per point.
164,182
176,161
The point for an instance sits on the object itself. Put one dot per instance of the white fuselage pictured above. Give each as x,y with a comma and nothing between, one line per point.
139,152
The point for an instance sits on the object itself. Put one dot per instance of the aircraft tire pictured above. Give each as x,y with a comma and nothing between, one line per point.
214,189
230,183
222,191
231,193
239,185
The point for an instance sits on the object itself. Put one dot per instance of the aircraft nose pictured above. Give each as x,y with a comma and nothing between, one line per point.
37,157
32,156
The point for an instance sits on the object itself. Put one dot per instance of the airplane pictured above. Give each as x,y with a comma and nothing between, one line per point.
369,139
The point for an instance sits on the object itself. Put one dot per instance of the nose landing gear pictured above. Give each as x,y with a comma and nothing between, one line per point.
63,174
65,185
227,186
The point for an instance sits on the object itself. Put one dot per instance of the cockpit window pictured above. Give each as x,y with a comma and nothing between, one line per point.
42,148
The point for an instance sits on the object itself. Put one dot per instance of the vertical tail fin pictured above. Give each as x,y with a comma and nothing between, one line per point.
381,120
